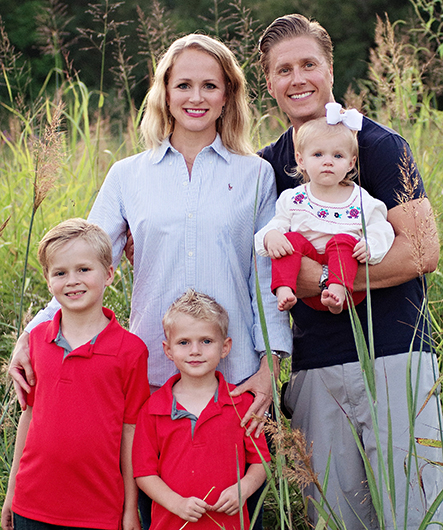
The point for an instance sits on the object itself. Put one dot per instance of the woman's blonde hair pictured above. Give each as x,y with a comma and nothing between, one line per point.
233,126
320,127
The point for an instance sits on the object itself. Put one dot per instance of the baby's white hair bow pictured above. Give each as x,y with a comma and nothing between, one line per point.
351,118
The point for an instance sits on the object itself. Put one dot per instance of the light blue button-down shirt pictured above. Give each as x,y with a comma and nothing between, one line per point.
194,232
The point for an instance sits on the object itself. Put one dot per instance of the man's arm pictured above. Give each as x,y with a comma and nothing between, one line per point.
259,384
131,519
415,251
187,508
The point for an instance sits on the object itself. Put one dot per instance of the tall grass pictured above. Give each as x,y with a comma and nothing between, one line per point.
94,131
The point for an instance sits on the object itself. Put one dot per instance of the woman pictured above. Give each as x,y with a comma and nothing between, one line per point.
193,202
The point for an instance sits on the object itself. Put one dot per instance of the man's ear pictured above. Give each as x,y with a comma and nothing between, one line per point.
269,87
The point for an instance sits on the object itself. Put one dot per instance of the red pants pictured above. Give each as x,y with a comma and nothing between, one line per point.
338,257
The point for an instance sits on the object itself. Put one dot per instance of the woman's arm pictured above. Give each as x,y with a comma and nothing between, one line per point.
20,369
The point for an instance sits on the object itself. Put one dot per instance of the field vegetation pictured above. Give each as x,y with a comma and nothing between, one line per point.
58,140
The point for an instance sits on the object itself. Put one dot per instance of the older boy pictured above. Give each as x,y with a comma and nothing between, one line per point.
189,444
72,462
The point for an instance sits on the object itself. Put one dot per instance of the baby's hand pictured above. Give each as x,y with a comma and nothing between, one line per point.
277,244
228,501
191,508
361,252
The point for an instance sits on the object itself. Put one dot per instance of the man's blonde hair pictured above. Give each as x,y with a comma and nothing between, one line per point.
233,126
199,306
69,230
320,128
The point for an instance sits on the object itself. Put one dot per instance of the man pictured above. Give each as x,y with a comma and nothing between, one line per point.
327,388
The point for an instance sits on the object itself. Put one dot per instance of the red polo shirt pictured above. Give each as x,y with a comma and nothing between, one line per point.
192,464
69,472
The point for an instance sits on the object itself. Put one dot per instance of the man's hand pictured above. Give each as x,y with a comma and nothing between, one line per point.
277,244
20,369
259,384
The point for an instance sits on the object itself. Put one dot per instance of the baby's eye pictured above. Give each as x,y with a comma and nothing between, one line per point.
338,155
318,154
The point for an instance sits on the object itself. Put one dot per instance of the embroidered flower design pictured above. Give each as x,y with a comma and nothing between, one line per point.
299,198
337,215
353,213
323,213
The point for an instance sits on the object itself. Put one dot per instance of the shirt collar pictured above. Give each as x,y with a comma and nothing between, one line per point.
108,343
162,400
217,146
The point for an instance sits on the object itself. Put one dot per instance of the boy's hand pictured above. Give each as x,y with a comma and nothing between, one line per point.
131,520
228,501
191,509
7,522
361,252
277,244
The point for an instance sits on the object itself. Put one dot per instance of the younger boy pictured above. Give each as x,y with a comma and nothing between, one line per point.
72,463
188,444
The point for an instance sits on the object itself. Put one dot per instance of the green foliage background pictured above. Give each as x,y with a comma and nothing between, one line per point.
395,70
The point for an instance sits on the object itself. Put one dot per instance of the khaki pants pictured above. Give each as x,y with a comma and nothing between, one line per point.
314,396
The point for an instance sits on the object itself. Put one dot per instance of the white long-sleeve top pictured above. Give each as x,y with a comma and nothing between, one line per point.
297,210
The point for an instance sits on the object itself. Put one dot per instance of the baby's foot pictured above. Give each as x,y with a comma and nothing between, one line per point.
333,298
285,297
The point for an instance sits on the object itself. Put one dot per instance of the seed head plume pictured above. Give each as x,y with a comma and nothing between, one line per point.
48,152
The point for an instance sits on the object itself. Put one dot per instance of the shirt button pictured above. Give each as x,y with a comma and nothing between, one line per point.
190,216
185,184
190,254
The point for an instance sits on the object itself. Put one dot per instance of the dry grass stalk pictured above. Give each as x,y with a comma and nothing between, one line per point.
425,228
291,444
48,152
3,225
